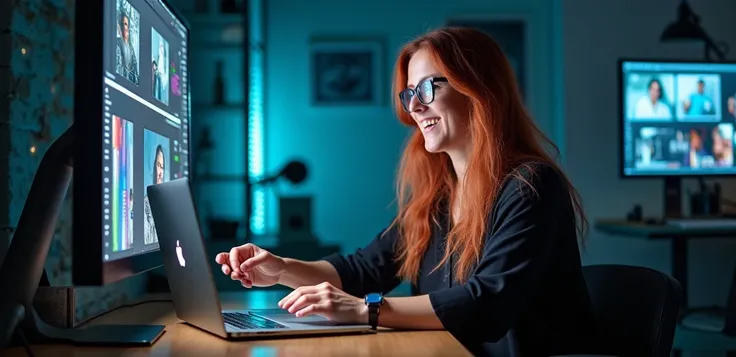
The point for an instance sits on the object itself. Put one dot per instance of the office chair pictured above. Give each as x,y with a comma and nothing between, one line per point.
636,310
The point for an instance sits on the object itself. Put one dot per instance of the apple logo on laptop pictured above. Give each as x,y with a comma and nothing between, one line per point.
180,255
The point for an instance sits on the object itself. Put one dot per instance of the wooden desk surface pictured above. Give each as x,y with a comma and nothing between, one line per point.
183,340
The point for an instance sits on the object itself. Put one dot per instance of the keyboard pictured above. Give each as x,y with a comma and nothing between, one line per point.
712,223
247,321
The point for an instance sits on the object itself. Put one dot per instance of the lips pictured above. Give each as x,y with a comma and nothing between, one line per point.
429,123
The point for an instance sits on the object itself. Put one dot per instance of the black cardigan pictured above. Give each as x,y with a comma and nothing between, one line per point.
527,295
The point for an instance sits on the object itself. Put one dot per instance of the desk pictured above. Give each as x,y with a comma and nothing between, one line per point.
183,340
679,238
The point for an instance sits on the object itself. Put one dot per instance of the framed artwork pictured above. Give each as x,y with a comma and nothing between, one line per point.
510,34
347,71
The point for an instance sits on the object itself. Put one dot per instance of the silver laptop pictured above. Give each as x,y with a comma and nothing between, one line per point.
192,285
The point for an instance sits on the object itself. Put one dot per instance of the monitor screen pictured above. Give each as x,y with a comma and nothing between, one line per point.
678,118
146,110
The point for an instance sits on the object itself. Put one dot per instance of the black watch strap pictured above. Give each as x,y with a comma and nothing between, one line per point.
373,315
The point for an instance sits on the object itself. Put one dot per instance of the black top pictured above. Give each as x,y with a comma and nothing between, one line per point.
527,295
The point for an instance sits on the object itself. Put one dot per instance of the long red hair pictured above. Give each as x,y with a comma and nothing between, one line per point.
504,138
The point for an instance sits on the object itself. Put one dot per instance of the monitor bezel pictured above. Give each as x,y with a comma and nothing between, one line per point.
88,266
622,112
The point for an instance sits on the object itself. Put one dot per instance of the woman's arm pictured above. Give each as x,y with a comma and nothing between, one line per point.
300,273
414,312
367,270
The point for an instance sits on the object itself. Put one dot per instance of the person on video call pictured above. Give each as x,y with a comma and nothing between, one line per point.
487,223
695,155
156,80
126,53
653,105
731,103
149,234
722,147
699,103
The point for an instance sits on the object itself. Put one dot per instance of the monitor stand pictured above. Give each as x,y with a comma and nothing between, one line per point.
672,197
23,266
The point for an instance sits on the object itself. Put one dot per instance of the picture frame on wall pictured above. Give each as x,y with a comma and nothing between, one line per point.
511,36
347,71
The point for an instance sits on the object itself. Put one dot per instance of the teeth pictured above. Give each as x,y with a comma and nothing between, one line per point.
429,122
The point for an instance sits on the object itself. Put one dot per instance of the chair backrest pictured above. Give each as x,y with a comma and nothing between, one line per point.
636,309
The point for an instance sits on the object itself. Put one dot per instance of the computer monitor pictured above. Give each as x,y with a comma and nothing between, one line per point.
677,120
132,110
130,130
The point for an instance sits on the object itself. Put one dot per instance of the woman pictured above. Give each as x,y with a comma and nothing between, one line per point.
654,105
486,228
149,228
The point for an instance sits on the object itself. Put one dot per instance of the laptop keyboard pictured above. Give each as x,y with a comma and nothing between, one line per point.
248,321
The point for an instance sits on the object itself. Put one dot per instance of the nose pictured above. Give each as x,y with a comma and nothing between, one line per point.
415,106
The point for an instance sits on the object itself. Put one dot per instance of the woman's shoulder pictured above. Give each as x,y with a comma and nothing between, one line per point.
533,179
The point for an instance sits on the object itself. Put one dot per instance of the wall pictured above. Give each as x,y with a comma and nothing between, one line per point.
596,34
4,117
352,152
42,91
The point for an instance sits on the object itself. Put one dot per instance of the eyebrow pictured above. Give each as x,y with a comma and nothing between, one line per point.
423,78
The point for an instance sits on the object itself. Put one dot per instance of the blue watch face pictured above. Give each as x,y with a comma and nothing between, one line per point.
373,298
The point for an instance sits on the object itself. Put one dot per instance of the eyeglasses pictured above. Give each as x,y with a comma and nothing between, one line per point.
424,92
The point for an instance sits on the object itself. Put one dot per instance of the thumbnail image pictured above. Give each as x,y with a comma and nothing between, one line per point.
699,146
160,66
731,103
128,41
699,97
122,185
155,170
650,96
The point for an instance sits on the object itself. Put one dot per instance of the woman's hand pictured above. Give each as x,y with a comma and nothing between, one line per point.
252,266
328,301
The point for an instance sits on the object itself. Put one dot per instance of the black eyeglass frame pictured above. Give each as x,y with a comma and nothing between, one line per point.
411,92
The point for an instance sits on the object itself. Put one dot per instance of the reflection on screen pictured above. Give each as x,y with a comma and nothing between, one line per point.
678,118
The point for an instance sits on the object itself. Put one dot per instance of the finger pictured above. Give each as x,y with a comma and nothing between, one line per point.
247,283
312,309
304,301
251,263
222,258
235,260
286,302
225,269
236,276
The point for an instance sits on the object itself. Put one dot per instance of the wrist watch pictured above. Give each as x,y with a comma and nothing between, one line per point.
374,302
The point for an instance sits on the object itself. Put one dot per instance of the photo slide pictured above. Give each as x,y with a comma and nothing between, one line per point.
156,169
699,97
650,96
160,67
696,146
127,48
122,184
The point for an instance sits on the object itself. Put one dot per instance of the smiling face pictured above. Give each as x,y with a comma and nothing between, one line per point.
126,28
159,168
444,121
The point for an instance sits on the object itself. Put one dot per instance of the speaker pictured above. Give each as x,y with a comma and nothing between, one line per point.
295,219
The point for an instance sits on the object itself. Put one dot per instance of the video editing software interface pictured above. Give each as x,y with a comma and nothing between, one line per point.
679,118
146,124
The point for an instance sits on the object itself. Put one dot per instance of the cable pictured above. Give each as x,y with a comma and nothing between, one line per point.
121,307
26,345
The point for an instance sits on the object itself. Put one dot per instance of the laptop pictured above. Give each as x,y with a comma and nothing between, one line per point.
193,291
